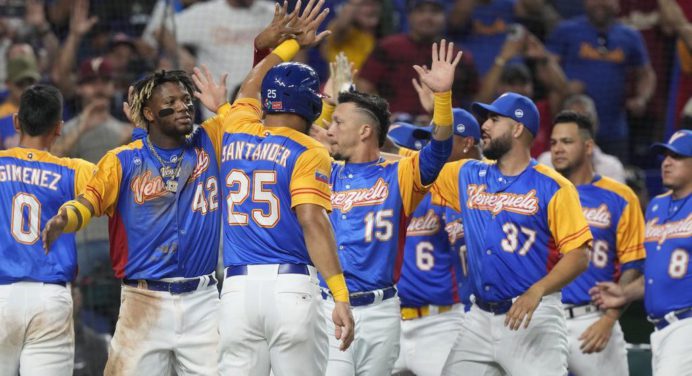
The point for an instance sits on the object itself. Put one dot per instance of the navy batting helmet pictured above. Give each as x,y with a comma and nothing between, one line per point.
292,88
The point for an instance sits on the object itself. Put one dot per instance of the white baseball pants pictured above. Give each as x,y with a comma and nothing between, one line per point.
426,342
376,344
613,358
671,349
36,330
158,332
487,348
270,320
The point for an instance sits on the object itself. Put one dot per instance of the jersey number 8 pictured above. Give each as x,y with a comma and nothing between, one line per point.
679,260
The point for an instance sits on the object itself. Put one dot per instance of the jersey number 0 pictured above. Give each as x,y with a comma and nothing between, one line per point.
25,229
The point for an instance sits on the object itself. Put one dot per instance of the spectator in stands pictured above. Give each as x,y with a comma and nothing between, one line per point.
222,33
604,164
388,71
516,77
678,18
354,31
598,50
482,26
162,18
89,136
22,72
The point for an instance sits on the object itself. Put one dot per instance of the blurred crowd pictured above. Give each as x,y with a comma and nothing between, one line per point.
627,64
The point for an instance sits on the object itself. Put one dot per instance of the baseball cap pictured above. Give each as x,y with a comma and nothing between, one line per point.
414,4
466,125
514,106
680,143
22,67
95,68
409,136
122,39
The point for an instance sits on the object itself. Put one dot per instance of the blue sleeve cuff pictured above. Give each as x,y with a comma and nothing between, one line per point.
138,134
432,158
637,265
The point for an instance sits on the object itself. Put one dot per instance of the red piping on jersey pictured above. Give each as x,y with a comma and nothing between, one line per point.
573,236
99,198
119,250
403,225
554,255
301,191
455,285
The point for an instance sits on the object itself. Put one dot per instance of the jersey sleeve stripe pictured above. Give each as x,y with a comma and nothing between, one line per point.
302,191
572,237
98,197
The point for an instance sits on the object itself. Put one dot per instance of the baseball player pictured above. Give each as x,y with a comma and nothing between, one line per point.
667,281
521,248
36,334
276,227
162,196
433,286
616,221
372,200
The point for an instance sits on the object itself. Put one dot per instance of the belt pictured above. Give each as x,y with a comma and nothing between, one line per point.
580,310
59,283
670,318
175,287
410,313
237,270
497,308
358,299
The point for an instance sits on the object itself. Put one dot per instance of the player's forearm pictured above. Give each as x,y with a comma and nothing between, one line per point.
253,82
634,290
564,272
626,278
78,212
646,83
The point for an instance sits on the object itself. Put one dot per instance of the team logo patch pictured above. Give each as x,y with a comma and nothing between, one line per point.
461,128
375,195
277,105
418,145
519,113
597,217
478,198
321,177
137,161
482,173
146,187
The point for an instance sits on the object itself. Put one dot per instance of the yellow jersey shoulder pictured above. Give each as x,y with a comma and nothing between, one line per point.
134,145
46,157
554,175
616,187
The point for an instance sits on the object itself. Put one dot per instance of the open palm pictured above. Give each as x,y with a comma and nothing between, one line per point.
440,77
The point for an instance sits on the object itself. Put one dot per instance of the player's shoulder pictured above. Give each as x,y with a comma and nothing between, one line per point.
549,174
133,146
614,186
663,197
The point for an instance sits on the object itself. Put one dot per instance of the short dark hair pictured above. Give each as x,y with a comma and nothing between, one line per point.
583,122
376,106
516,74
40,109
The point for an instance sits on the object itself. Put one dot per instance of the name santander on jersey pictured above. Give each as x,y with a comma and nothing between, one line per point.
668,243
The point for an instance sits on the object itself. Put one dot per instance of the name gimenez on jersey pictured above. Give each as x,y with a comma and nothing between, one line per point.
670,230
30,175
249,151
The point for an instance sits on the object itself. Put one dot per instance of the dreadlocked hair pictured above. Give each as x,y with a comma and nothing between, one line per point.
144,88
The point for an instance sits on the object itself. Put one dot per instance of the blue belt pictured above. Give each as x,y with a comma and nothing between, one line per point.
233,271
498,308
175,288
662,322
358,299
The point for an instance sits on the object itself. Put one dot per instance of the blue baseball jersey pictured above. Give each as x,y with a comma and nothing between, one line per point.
155,233
668,243
616,221
372,203
33,186
433,272
600,60
267,172
518,226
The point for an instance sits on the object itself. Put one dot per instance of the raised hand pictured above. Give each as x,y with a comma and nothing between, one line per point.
127,110
280,28
211,94
309,21
54,228
80,22
440,77
341,73
425,95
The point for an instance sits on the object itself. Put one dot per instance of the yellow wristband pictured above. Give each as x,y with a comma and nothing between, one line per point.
287,50
72,218
442,110
337,285
325,115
